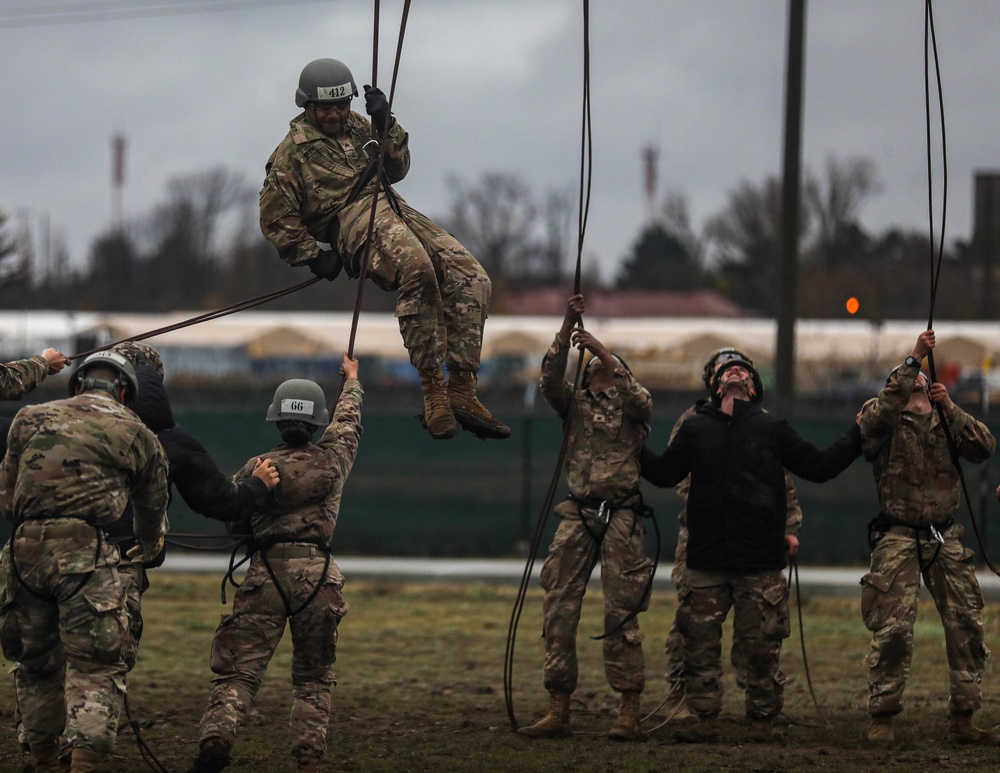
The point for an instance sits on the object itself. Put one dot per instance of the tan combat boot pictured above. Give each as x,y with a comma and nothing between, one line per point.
46,759
471,413
555,724
675,706
84,760
308,765
438,417
880,729
629,718
963,731
705,730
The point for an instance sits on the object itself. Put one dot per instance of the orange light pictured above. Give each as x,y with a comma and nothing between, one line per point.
852,305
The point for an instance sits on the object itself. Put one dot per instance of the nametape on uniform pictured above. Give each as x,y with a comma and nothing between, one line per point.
343,91
297,406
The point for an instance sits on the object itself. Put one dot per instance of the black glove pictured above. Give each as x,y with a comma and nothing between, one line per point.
327,264
377,106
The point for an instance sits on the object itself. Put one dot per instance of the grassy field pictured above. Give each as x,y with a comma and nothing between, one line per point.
420,671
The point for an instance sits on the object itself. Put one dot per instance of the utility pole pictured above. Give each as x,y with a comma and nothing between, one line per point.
117,183
788,270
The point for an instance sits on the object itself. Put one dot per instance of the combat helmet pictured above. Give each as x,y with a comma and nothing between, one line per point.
719,356
746,363
325,80
299,399
79,381
595,360
139,354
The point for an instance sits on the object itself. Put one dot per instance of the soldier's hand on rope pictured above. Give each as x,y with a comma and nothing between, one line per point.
925,342
377,106
792,544
938,393
56,360
349,367
326,265
267,472
575,307
144,553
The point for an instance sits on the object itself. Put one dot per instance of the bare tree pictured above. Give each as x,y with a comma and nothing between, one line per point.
835,202
496,220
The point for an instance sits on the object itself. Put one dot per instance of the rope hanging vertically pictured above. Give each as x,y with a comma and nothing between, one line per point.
363,264
586,165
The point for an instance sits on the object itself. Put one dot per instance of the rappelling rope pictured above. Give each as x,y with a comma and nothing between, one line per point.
586,165
937,249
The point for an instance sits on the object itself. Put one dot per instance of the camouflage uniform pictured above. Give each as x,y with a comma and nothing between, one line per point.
444,293
21,376
919,490
605,432
291,537
679,574
71,467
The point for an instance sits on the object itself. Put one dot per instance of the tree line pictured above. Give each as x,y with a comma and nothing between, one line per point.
200,249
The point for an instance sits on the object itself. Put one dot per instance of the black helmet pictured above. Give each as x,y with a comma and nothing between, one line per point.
745,363
325,80
719,356
79,381
299,399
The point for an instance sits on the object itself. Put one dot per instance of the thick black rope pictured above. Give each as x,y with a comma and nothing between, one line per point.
793,565
937,249
207,316
586,165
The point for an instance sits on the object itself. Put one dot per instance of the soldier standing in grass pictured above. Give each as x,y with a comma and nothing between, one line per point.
71,467
291,579
315,207
601,520
675,706
906,433
734,452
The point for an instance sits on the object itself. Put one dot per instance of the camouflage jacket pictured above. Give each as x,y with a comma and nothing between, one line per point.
793,520
307,182
303,507
917,480
21,376
84,457
605,431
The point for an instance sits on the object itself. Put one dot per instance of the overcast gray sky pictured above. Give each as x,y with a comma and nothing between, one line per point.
497,86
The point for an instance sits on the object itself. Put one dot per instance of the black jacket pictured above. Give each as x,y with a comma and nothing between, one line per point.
736,507
198,479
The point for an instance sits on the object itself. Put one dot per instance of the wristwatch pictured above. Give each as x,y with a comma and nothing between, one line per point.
912,362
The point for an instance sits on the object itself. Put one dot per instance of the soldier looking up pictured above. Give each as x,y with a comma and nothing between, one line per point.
734,452
919,492
315,209
292,579
601,521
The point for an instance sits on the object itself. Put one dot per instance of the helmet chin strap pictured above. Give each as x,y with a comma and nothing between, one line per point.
745,381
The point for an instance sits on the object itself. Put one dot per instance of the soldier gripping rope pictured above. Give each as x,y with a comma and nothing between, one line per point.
70,469
601,521
734,452
292,578
911,431
315,209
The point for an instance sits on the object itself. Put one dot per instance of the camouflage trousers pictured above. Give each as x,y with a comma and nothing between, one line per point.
889,596
760,623
625,572
246,640
74,647
675,639
444,294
